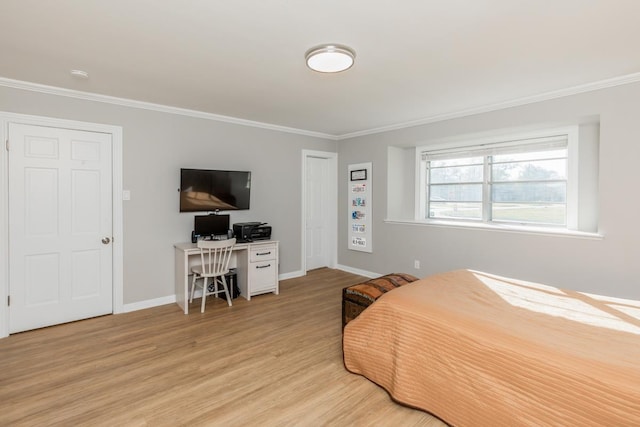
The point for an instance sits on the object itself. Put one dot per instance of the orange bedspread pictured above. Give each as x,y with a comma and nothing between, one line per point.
481,350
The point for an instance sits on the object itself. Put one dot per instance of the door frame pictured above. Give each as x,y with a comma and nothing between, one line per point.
332,202
116,185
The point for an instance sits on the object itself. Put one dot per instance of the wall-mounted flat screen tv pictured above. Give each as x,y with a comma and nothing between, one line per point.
203,190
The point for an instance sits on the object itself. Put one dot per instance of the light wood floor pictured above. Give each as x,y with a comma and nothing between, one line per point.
271,361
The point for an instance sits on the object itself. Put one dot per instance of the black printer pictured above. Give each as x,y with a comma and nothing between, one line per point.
250,231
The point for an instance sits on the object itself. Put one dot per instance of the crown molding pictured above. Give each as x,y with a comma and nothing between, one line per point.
88,96
574,90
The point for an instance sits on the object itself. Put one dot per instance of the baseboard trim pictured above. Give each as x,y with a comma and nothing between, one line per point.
291,275
141,305
358,271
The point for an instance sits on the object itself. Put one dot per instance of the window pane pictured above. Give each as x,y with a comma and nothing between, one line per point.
454,210
527,182
551,214
452,174
456,192
540,192
535,170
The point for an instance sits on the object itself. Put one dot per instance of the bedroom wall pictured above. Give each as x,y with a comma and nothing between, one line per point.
607,265
155,146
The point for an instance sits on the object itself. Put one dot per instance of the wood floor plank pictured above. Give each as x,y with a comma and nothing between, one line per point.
273,361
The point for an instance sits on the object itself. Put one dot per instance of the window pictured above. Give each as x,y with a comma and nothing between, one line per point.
523,181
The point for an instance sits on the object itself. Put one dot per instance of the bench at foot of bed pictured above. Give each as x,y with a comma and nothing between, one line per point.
356,298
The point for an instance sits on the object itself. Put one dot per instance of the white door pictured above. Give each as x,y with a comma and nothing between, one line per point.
60,226
317,231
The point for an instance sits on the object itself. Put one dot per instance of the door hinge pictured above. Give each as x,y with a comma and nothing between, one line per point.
8,300
6,144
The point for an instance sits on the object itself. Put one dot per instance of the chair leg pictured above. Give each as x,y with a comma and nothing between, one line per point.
204,294
226,290
193,287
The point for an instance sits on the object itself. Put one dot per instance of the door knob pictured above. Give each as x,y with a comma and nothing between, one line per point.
106,240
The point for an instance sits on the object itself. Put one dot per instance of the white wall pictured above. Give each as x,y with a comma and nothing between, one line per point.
606,266
155,146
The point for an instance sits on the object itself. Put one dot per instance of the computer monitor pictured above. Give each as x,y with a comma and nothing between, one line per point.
211,225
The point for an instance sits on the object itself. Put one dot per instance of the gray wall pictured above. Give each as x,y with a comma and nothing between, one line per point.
607,266
155,146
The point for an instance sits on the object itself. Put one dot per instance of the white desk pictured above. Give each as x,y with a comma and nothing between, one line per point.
256,266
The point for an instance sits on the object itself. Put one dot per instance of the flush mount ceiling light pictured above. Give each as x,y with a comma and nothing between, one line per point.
330,58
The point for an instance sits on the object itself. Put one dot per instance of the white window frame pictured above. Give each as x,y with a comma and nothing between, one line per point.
572,211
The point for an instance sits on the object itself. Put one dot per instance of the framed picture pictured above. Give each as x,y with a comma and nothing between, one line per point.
359,175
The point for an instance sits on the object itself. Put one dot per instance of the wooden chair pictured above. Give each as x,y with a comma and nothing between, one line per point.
214,257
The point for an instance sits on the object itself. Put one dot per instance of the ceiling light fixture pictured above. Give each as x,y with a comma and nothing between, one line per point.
330,58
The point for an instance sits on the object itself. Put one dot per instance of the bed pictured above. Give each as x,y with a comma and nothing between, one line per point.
476,349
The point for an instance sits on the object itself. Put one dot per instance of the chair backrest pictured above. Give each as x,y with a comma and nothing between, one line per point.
215,256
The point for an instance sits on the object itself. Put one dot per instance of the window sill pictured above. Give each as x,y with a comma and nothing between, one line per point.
544,231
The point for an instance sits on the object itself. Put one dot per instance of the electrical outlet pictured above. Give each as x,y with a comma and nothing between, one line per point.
416,264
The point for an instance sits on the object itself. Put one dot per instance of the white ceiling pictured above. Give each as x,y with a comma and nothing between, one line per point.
417,60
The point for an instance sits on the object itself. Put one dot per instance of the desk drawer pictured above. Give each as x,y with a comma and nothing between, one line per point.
263,253
263,277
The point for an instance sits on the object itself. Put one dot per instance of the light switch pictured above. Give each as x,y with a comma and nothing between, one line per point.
126,195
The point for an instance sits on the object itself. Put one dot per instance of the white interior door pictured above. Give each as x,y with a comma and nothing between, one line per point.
60,226
317,228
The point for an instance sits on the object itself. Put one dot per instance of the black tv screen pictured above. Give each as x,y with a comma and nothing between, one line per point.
203,190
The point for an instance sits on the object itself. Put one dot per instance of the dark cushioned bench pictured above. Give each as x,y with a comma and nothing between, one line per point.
356,298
